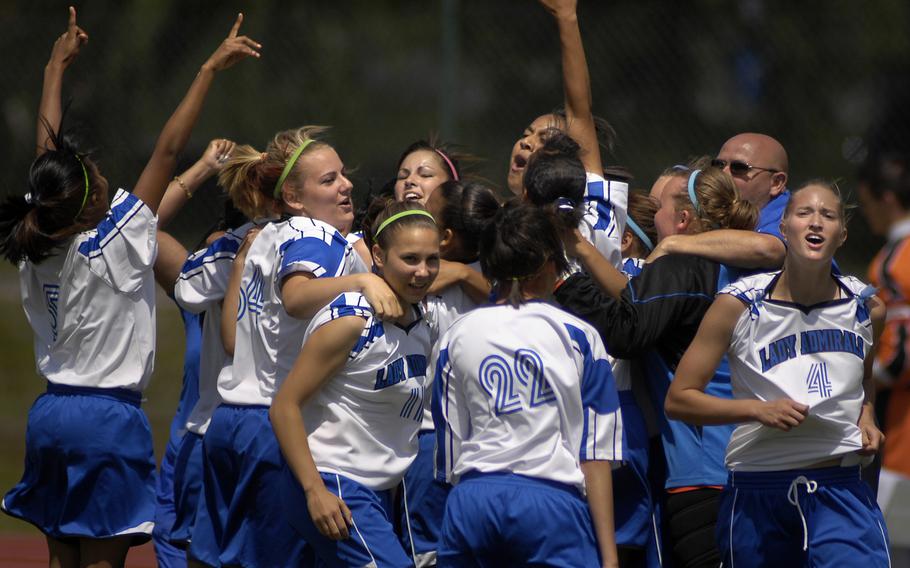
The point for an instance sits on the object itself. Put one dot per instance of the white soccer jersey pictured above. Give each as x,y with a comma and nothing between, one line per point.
526,391
622,368
200,288
92,304
606,205
813,355
442,310
268,339
363,422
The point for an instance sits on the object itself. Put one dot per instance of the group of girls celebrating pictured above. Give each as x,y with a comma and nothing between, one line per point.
463,382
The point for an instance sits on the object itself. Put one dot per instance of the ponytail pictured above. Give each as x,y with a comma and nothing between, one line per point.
250,177
713,197
555,180
517,244
59,202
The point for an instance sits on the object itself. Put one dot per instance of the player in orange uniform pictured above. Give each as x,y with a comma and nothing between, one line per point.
884,193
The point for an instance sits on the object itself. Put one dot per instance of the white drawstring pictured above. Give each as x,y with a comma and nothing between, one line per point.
793,497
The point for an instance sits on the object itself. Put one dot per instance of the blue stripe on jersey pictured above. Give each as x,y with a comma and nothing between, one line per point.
368,336
598,391
440,392
599,193
320,256
117,217
225,248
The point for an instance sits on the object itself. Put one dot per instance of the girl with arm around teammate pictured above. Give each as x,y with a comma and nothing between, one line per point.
347,415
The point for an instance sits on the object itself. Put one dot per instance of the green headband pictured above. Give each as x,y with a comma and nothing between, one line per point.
85,197
398,216
290,165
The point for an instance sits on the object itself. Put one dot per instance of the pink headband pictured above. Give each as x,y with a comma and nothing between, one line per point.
449,163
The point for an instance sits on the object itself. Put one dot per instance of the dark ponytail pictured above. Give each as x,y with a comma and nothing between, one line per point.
555,180
57,204
517,244
469,208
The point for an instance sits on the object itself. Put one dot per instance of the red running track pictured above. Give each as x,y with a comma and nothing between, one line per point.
30,551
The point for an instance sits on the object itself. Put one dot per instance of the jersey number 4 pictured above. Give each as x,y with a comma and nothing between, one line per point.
497,378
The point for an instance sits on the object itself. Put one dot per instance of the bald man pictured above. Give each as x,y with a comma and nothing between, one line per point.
758,164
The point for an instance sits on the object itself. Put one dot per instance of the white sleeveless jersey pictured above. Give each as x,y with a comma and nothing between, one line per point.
91,304
363,422
268,339
442,310
200,288
606,205
813,355
527,391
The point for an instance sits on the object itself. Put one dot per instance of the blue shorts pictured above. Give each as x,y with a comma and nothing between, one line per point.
243,522
632,503
812,517
89,466
424,504
503,519
372,538
168,555
187,487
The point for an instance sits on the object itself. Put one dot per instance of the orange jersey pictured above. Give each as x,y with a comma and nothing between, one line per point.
890,273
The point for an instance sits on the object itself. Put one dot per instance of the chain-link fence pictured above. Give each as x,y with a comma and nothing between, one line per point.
675,78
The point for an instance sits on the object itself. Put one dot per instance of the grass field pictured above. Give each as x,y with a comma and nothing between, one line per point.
20,384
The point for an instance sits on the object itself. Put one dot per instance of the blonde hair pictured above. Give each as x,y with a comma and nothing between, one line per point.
719,203
249,176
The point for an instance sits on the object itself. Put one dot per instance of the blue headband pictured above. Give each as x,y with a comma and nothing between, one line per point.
633,226
692,196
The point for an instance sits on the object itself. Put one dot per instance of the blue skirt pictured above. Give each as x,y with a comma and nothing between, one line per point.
89,466
187,487
242,522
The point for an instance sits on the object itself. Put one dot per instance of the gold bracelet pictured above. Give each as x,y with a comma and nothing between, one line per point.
186,190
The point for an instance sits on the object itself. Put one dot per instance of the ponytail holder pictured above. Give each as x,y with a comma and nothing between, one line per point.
565,203
448,163
631,224
84,197
398,216
28,198
290,165
692,196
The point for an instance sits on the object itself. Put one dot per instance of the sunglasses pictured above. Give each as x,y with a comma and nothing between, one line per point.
738,168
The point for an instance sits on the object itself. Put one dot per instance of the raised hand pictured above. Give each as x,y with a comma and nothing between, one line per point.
217,153
233,49
67,46
560,7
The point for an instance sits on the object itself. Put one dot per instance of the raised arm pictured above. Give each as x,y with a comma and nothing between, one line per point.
171,256
154,179
324,353
232,294
743,249
576,83
50,110
182,187
687,401
601,270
